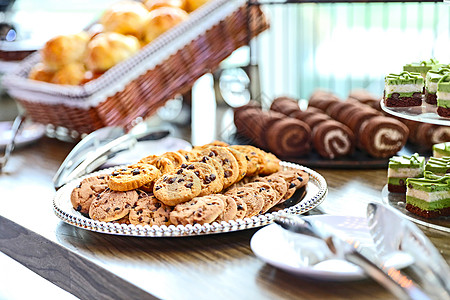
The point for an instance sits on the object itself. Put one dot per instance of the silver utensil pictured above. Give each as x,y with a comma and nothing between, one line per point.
17,125
392,233
396,283
101,145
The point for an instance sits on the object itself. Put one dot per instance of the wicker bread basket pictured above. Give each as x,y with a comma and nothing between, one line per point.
141,84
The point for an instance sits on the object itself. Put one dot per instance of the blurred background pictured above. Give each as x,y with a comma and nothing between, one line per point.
334,46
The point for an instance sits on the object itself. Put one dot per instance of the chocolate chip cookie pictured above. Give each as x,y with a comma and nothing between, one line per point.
199,210
255,158
227,160
277,183
250,197
207,175
177,187
265,191
150,211
112,205
271,164
242,162
132,177
230,210
295,179
88,189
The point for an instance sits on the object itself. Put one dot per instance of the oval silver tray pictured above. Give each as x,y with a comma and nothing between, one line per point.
398,202
425,113
316,192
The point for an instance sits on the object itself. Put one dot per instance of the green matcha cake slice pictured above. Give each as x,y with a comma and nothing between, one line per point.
431,82
441,150
422,67
438,166
428,197
404,89
402,167
443,96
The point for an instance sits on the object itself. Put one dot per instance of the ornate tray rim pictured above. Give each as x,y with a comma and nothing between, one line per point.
76,219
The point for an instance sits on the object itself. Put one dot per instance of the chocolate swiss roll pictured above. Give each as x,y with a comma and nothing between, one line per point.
383,136
268,119
333,139
429,134
315,119
285,105
289,138
365,97
248,123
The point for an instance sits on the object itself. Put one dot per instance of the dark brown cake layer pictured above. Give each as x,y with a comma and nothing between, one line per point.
430,98
443,112
396,188
396,101
428,214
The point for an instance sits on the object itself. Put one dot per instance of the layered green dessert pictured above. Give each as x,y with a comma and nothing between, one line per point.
405,84
432,78
441,150
422,67
438,166
443,91
429,196
402,167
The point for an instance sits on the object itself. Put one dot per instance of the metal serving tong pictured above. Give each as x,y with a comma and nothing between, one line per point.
99,146
392,233
17,125
395,282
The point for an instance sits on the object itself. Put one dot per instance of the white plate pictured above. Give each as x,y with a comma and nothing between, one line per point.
29,133
298,254
315,193
146,148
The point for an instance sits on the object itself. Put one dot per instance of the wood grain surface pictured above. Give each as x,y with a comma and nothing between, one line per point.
100,266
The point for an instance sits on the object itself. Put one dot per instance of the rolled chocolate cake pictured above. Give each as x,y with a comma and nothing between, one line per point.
383,136
285,105
365,97
268,119
289,138
333,139
248,124
315,119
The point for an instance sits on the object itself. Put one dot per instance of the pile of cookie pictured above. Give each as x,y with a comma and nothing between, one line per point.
211,183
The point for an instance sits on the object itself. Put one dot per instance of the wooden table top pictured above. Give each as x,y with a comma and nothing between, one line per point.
100,266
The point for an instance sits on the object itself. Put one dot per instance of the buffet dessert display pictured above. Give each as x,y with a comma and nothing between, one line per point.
212,183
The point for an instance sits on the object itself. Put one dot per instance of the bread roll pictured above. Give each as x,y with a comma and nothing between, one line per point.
194,4
154,4
109,48
71,74
125,17
64,49
160,20
41,72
